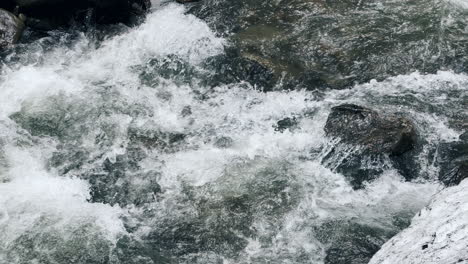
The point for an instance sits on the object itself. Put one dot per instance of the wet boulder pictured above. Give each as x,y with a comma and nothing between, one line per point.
353,124
286,123
453,161
369,142
11,28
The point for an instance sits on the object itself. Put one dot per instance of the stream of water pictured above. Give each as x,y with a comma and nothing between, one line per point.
120,150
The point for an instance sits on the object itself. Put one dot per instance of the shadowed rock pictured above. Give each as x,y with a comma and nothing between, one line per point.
453,161
11,28
370,143
376,133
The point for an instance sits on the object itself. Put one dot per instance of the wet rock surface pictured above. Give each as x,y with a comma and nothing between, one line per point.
372,142
11,28
374,132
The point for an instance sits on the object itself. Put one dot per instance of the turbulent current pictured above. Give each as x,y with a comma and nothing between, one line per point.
136,148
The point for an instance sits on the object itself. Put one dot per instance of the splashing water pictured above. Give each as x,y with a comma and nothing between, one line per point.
117,151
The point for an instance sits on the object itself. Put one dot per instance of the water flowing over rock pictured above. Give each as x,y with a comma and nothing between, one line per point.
374,132
374,136
436,235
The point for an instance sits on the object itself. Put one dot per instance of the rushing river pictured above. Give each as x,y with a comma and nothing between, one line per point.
126,148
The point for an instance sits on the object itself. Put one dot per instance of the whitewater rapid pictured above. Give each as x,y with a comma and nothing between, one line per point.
78,111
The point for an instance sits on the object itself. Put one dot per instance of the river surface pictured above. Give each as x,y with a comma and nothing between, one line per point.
128,149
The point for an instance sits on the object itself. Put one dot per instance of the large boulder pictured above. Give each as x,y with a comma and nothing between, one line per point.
389,134
368,142
11,28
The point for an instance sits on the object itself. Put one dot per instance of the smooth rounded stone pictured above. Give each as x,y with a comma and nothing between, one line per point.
375,133
11,28
436,235
453,161
322,44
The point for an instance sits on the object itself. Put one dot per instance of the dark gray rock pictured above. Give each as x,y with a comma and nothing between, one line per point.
369,143
64,13
11,28
357,125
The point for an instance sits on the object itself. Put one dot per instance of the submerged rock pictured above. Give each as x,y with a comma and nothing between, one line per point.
286,123
11,28
436,235
373,142
232,67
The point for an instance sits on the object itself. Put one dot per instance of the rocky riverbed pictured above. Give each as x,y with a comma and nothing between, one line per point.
215,131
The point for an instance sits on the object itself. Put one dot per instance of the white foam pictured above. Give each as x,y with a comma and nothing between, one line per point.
32,194
436,235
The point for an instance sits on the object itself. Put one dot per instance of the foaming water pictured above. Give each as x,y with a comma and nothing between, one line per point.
108,157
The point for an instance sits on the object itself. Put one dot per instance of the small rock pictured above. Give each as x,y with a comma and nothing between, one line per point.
286,123
231,67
